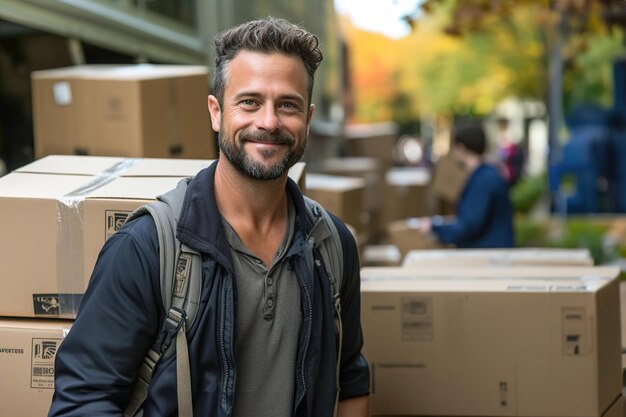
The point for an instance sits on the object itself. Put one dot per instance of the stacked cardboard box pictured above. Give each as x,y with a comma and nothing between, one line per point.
60,210
123,110
407,194
342,196
371,171
376,140
493,341
27,352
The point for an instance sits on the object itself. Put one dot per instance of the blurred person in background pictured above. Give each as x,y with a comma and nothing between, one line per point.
509,155
484,213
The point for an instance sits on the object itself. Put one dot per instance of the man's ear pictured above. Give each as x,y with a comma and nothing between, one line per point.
216,113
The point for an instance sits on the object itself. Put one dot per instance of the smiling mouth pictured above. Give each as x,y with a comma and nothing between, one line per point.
262,142
264,138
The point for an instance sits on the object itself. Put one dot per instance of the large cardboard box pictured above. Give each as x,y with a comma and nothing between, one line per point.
498,257
58,213
342,196
518,345
53,228
123,110
27,352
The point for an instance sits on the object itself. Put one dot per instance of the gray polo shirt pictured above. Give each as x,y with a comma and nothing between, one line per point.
268,321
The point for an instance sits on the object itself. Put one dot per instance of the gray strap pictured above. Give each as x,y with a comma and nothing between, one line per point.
141,384
183,375
327,240
180,280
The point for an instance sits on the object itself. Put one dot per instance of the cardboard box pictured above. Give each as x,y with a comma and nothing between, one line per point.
342,196
498,257
27,354
375,140
58,213
406,194
53,228
123,110
370,170
405,234
492,347
449,179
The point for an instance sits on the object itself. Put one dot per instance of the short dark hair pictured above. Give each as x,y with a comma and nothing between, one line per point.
265,35
472,137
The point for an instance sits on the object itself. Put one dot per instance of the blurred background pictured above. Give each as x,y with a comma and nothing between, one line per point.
547,77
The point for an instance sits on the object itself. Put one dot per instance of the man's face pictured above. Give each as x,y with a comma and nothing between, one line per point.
264,121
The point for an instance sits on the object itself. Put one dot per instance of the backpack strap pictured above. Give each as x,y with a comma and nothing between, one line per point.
180,281
328,242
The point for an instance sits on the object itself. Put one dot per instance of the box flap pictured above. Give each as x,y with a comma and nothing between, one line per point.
581,273
70,164
389,284
162,167
25,185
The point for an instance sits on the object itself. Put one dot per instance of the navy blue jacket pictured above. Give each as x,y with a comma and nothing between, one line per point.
484,213
122,312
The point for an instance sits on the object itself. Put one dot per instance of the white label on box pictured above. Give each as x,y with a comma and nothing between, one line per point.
62,92
42,371
417,319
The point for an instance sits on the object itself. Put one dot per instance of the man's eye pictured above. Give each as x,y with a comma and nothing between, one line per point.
247,102
289,106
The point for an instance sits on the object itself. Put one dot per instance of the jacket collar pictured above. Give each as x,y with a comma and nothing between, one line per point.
200,224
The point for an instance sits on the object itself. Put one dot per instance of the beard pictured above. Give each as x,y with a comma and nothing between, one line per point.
258,170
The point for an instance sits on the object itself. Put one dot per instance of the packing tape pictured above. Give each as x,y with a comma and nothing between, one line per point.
70,238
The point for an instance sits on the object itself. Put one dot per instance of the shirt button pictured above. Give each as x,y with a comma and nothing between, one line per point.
270,281
270,302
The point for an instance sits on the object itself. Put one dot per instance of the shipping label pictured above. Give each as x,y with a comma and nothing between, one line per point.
417,319
42,362
114,220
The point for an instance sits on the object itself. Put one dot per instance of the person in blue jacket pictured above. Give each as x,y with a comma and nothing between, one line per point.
263,341
484,214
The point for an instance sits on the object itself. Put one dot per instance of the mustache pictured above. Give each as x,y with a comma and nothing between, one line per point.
266,137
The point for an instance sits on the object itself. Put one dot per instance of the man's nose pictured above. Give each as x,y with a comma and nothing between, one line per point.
268,119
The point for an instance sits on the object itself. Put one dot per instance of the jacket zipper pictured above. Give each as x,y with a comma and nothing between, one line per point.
222,343
306,340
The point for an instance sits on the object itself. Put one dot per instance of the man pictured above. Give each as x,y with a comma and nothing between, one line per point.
484,217
263,341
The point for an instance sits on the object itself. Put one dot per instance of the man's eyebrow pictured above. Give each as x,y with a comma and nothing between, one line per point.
254,94
246,94
294,97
